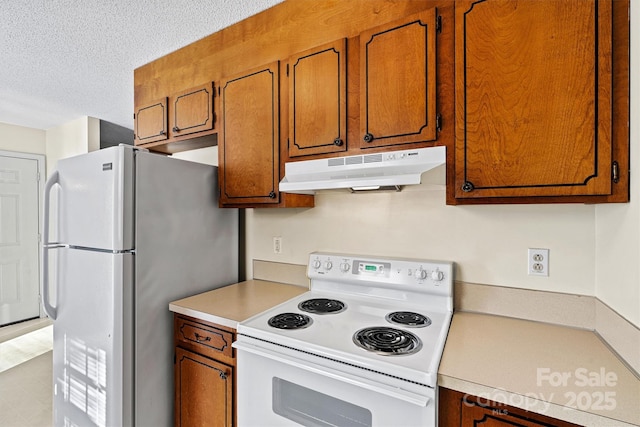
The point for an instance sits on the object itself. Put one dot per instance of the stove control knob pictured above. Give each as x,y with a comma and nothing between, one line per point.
344,267
316,264
421,274
437,275
328,265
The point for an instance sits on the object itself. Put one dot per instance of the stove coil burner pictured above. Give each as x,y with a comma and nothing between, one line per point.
290,321
408,318
387,341
322,306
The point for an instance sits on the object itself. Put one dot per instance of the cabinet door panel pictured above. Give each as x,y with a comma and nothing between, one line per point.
192,110
457,409
398,82
318,100
533,97
249,147
474,415
151,122
204,391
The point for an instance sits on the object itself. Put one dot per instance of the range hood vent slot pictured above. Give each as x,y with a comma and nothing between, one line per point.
369,171
373,158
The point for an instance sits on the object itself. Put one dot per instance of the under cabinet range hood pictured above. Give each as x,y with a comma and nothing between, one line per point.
362,172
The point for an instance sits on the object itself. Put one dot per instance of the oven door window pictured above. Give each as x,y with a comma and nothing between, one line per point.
311,408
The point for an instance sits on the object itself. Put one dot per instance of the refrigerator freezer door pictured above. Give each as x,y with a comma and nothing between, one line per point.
92,344
185,245
95,199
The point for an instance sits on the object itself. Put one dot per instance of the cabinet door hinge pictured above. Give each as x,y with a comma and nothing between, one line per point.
615,172
439,122
439,24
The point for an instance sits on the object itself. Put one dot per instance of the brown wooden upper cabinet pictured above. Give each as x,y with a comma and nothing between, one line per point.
150,122
540,115
192,110
183,115
317,80
248,147
398,82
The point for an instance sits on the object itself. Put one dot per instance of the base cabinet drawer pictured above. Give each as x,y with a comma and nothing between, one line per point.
202,338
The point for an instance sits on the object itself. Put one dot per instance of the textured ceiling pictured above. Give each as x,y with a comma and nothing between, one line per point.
63,59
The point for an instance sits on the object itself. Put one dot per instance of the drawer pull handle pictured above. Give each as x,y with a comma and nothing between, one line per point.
202,338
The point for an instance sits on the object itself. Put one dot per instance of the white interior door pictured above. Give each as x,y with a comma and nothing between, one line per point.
19,228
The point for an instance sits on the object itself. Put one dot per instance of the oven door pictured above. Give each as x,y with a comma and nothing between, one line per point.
283,387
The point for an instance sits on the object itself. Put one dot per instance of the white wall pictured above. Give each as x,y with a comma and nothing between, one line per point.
618,226
488,243
208,155
22,139
70,139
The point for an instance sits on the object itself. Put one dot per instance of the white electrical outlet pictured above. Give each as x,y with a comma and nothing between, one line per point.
538,262
277,245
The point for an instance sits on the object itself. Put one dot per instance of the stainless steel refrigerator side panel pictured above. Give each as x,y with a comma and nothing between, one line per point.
184,245
92,338
95,207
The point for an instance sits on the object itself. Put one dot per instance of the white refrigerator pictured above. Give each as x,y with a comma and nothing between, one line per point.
126,232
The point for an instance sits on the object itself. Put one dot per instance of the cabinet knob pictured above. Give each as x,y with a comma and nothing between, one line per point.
272,195
176,129
337,142
467,187
368,137
161,132
223,375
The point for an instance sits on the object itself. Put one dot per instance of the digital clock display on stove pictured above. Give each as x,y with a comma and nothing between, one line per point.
374,269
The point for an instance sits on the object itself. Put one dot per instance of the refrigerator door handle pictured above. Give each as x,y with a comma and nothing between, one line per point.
46,302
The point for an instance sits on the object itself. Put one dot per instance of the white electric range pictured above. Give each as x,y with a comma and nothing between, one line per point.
361,348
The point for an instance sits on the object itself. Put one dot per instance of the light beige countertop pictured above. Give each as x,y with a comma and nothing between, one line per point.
231,304
562,372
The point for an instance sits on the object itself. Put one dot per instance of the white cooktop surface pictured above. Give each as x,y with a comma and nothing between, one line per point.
331,335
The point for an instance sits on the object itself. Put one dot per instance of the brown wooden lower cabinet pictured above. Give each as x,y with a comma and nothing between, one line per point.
204,374
462,410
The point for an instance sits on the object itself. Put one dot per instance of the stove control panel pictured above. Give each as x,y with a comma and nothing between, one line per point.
390,272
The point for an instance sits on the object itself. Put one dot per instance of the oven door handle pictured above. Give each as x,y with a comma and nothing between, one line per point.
394,392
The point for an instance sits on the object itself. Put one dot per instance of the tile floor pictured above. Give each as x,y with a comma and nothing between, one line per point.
25,374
